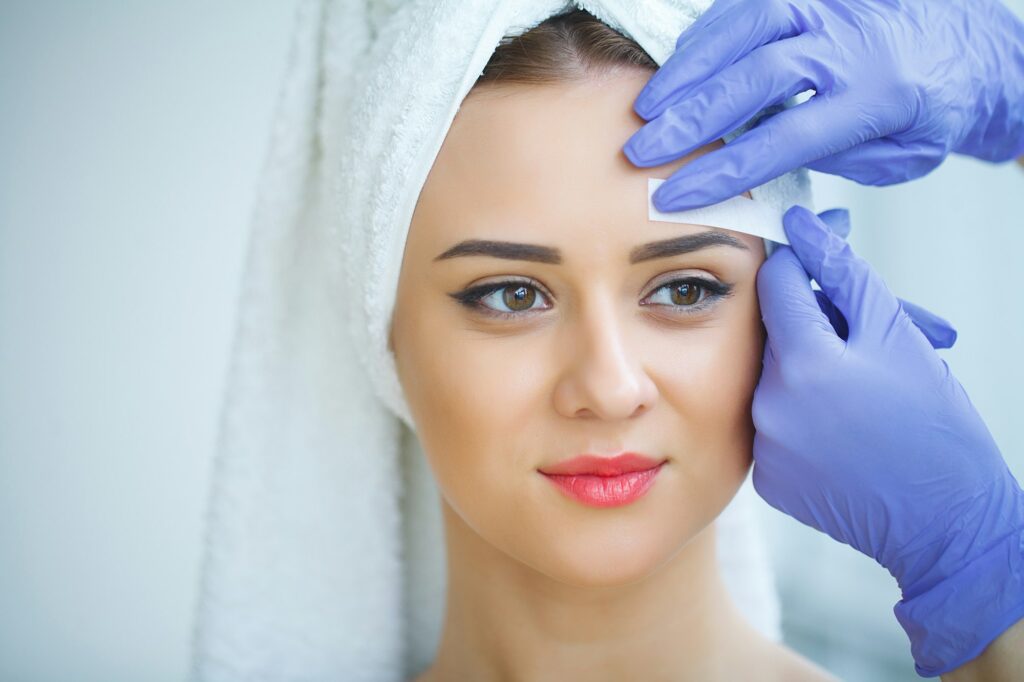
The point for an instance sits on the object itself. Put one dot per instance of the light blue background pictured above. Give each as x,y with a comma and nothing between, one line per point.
131,137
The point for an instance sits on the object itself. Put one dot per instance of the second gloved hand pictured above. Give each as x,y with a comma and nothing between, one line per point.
873,441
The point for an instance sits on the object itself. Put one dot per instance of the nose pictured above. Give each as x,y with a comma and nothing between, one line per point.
603,377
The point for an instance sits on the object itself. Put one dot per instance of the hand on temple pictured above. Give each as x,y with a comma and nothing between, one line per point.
899,85
862,432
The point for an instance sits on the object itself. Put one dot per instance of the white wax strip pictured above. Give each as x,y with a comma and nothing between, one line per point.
739,213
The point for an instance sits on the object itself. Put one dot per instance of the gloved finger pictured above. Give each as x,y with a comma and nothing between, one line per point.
849,282
883,161
709,46
838,220
793,138
835,318
939,332
724,102
789,309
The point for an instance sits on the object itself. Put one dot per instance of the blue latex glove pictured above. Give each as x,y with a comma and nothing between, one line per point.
939,332
873,441
900,84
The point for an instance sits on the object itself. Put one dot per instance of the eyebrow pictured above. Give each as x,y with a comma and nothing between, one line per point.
547,254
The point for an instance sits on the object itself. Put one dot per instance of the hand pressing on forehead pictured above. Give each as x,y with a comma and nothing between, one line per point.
898,86
863,433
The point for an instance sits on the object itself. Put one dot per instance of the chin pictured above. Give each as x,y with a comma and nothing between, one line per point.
611,554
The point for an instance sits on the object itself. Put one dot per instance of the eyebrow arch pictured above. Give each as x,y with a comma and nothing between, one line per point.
506,250
546,254
684,244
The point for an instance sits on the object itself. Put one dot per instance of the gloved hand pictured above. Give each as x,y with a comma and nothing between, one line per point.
899,85
938,331
873,441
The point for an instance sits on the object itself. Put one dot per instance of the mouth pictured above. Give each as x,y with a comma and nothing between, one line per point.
602,481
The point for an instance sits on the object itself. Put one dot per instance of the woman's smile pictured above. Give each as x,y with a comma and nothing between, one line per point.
605,481
606,491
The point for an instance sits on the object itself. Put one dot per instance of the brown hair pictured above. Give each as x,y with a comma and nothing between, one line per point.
564,47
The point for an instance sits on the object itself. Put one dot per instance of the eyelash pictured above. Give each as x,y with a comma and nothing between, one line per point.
472,297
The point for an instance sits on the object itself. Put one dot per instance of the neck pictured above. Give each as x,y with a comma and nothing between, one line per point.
504,620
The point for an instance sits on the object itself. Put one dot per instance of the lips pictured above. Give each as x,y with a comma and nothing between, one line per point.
602,481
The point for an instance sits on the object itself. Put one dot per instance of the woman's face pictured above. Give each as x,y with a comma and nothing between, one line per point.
580,342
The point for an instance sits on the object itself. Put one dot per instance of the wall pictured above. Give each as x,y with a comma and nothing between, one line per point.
132,134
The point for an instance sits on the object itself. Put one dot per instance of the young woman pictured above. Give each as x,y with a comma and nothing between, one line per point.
541,317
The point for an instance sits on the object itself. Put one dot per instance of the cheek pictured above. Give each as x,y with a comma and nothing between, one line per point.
707,375
472,394
485,416
473,398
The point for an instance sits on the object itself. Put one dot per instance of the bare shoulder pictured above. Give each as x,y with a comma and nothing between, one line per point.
777,661
759,659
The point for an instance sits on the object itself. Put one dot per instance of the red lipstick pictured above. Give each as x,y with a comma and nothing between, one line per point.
603,481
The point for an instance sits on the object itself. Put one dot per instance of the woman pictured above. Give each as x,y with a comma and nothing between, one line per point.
513,359
326,553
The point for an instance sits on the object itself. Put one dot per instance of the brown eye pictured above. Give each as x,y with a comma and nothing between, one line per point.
688,295
506,300
519,297
685,293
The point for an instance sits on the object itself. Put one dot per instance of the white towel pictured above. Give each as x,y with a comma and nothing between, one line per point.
324,548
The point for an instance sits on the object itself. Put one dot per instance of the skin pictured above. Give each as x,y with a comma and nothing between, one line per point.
541,587
1001,661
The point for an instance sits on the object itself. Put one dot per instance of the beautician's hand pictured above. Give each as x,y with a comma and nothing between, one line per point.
938,331
900,85
873,441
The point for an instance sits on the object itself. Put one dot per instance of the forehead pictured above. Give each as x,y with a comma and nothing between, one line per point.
547,161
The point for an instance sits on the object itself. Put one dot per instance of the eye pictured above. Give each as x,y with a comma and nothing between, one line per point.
515,299
508,299
689,293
